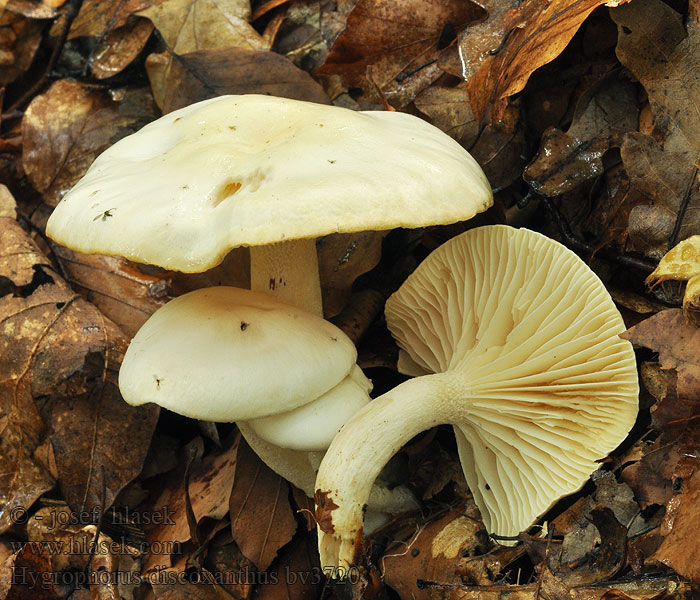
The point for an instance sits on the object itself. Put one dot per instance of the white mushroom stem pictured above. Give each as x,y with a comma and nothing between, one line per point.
361,449
289,271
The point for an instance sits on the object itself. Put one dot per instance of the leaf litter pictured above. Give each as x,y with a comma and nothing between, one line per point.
583,115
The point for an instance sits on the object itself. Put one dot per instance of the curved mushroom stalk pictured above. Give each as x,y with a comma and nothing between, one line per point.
355,459
531,372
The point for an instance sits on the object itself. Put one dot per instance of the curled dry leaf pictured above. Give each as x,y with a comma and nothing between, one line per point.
537,32
682,263
262,520
207,73
65,129
400,41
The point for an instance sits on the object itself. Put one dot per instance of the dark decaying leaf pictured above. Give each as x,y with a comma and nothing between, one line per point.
566,160
297,573
652,34
262,520
65,129
401,43
449,109
207,73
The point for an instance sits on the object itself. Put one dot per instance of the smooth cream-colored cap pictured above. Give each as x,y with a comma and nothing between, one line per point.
251,170
227,354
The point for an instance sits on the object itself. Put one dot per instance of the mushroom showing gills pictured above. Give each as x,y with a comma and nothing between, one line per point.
269,173
518,342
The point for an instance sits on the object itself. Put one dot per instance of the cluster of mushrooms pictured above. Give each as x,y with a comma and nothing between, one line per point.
508,336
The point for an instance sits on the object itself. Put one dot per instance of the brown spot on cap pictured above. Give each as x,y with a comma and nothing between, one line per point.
324,508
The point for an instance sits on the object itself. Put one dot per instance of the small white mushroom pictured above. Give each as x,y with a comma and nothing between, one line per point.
522,342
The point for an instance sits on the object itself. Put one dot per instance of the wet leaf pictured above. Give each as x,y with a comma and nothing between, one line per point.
66,128
261,516
401,43
207,73
120,47
119,289
479,41
538,31
566,160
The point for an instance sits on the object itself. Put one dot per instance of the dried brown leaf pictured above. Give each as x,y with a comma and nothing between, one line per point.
58,347
679,548
189,25
656,45
95,458
98,18
65,129
209,488
118,49
262,520
297,573
678,343
19,39
433,552
119,289
538,31
207,73
449,109
400,41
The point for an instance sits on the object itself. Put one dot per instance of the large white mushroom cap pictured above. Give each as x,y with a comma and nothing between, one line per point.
251,170
519,344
